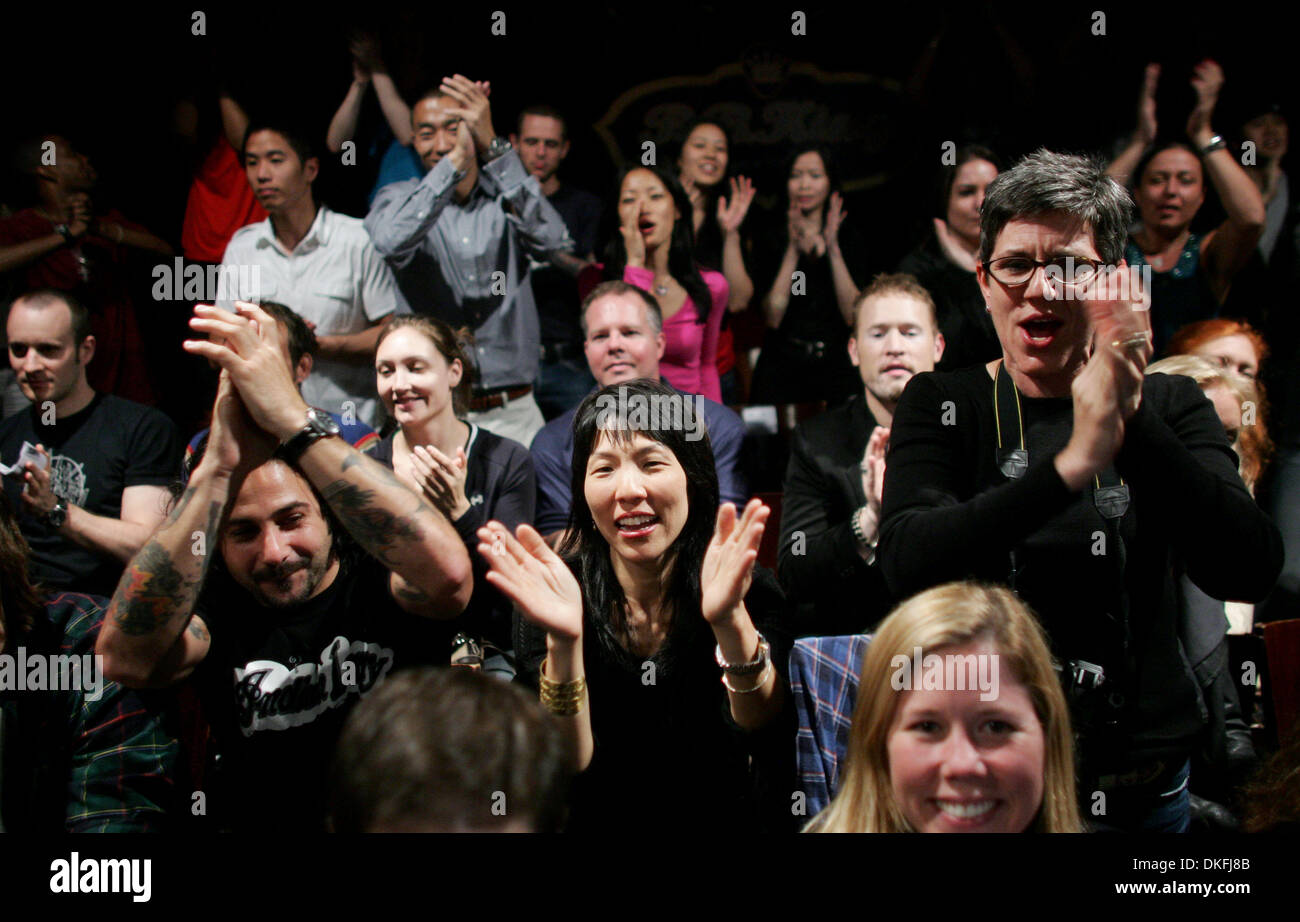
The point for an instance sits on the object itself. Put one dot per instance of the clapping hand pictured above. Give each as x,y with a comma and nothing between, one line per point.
802,234
1207,80
441,479
472,108
732,211
729,561
1146,114
835,215
531,575
873,469
249,345
1109,389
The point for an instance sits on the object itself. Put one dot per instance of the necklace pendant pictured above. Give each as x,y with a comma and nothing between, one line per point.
661,290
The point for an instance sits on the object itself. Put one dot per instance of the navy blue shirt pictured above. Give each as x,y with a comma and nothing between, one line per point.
553,457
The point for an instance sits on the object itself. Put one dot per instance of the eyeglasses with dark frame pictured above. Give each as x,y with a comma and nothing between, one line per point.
1070,271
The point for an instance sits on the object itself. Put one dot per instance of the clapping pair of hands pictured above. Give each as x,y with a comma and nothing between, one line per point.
810,240
1207,81
532,576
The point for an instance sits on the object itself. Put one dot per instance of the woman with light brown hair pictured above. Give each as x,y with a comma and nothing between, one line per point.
970,756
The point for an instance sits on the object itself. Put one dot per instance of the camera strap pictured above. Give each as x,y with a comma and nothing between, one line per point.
1110,497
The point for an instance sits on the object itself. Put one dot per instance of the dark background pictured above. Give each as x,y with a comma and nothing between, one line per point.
1012,75
885,86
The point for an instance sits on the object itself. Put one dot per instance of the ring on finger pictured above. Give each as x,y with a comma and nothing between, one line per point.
1137,339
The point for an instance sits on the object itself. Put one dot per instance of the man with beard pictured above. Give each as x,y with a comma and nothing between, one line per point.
329,575
831,510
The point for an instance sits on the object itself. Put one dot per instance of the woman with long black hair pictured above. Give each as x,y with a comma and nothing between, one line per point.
808,304
650,634
654,250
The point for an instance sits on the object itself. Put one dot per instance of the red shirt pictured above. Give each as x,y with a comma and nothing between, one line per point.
220,203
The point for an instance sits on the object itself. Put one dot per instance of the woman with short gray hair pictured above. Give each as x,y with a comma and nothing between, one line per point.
1059,471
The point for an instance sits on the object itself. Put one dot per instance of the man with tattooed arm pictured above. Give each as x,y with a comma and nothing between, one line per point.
290,577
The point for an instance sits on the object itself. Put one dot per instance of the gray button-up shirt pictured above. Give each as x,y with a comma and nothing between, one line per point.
467,264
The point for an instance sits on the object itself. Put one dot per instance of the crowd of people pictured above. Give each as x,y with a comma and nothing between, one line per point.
453,530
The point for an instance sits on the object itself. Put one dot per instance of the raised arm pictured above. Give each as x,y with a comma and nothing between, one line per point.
150,636
846,290
234,121
1228,247
731,214
1144,135
431,568
778,296
530,574
403,213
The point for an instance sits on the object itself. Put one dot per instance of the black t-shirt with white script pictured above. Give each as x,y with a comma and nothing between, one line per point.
95,454
277,685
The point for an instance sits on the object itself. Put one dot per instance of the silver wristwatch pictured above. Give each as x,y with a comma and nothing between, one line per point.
58,515
497,148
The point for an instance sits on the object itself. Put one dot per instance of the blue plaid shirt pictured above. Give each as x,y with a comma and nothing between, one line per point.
824,683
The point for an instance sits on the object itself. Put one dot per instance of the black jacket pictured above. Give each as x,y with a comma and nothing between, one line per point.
818,561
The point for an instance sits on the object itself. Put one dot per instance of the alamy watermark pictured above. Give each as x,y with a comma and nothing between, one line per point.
23,671
206,283
950,672
682,412
1084,282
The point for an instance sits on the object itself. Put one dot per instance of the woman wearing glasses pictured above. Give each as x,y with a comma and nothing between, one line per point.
1060,472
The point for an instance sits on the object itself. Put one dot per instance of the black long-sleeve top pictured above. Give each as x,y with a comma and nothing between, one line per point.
818,560
950,514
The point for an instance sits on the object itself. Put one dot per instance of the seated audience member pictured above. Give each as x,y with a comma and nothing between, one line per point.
60,242
317,260
328,573
804,357
302,345
1062,472
651,602
450,750
654,250
988,750
1239,349
830,519
91,759
459,241
1236,400
624,342
716,222
1191,273
944,263
562,377
99,490
468,474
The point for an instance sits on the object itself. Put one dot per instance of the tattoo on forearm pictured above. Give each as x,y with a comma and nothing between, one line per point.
174,516
151,591
378,530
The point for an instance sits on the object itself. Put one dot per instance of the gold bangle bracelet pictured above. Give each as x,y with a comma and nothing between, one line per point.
564,699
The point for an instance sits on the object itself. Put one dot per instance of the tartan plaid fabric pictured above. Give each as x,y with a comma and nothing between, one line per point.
122,757
824,683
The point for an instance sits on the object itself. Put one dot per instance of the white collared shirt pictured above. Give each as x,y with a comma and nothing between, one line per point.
334,278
